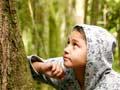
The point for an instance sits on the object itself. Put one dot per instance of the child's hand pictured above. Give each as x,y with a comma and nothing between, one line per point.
50,69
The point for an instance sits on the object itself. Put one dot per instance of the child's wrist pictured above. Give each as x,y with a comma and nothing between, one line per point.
37,66
40,65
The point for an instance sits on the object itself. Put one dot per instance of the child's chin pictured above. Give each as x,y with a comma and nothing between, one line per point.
68,65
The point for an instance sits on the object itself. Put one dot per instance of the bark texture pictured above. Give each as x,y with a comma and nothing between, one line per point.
14,74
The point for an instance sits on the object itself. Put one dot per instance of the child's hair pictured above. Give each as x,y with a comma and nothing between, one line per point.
80,30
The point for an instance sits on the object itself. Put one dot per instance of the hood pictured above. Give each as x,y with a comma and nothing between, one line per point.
100,45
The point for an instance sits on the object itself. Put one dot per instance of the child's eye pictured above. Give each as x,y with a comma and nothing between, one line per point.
68,42
74,44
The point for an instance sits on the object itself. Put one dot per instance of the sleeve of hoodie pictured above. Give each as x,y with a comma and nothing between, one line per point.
42,77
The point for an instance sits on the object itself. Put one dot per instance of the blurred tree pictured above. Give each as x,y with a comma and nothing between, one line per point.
80,11
14,74
81,7
86,11
94,12
54,29
68,18
47,25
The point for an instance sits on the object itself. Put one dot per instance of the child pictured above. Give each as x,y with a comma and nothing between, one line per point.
85,65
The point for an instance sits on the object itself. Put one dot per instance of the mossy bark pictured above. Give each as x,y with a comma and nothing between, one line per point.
14,73
118,37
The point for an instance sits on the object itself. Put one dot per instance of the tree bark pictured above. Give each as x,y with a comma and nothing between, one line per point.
14,74
118,37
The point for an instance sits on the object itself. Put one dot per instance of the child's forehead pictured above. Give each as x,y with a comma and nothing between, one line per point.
75,35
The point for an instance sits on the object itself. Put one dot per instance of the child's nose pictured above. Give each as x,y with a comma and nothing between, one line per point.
67,49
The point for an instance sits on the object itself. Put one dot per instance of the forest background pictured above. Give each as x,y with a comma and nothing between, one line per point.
45,25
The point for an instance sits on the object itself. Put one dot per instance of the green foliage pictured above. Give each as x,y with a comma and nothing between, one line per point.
45,25
113,14
23,14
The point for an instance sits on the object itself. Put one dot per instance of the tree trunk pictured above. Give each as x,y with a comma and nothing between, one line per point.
118,37
13,69
80,11
55,45
94,12
86,8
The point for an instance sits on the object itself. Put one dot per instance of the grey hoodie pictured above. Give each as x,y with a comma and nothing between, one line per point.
99,74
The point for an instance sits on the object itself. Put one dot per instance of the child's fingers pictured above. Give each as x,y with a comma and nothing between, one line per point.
54,67
56,70
58,73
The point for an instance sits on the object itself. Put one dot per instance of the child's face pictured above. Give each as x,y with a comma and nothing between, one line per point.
75,54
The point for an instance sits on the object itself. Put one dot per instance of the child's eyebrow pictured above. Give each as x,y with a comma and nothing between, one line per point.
74,40
68,39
